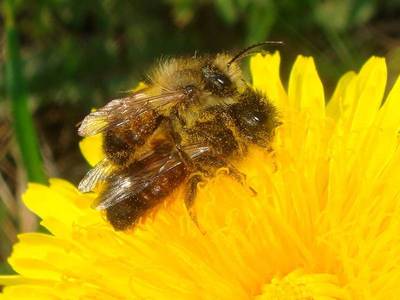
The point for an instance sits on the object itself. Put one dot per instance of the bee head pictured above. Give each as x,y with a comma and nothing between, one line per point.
255,117
221,79
222,75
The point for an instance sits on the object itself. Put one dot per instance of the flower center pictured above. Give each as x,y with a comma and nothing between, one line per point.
298,285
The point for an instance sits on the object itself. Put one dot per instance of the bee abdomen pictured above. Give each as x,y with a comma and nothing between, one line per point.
163,184
120,142
126,213
118,146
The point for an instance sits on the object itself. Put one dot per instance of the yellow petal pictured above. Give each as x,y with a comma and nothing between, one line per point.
92,149
362,99
298,285
389,114
62,202
370,88
139,87
36,250
266,77
306,92
383,139
29,292
335,104
16,279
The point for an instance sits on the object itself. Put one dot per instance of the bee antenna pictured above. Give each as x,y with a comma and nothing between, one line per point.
243,52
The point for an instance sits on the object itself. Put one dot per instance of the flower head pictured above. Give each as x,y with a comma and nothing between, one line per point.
325,223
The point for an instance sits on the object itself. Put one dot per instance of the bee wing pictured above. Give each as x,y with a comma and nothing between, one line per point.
122,185
153,165
120,111
99,173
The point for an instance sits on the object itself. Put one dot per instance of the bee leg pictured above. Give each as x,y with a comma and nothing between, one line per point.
185,158
190,196
241,178
238,176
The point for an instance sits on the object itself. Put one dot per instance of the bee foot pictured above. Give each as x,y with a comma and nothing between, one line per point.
252,191
193,216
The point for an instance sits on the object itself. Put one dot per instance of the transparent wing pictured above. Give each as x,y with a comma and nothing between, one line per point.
99,173
143,173
119,111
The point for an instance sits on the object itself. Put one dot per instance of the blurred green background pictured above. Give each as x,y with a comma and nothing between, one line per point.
60,58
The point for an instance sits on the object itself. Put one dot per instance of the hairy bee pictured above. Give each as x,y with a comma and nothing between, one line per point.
196,115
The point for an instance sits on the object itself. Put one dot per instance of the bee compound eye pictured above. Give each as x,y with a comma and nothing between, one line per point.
252,119
220,80
247,116
216,81
190,90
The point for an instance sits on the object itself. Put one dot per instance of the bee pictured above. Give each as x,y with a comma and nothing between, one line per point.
195,115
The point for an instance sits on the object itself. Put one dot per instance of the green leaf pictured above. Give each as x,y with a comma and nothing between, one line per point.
227,10
261,18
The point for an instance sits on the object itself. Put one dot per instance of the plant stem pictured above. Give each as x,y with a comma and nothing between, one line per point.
16,90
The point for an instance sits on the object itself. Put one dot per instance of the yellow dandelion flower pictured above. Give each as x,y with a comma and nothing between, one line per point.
325,223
